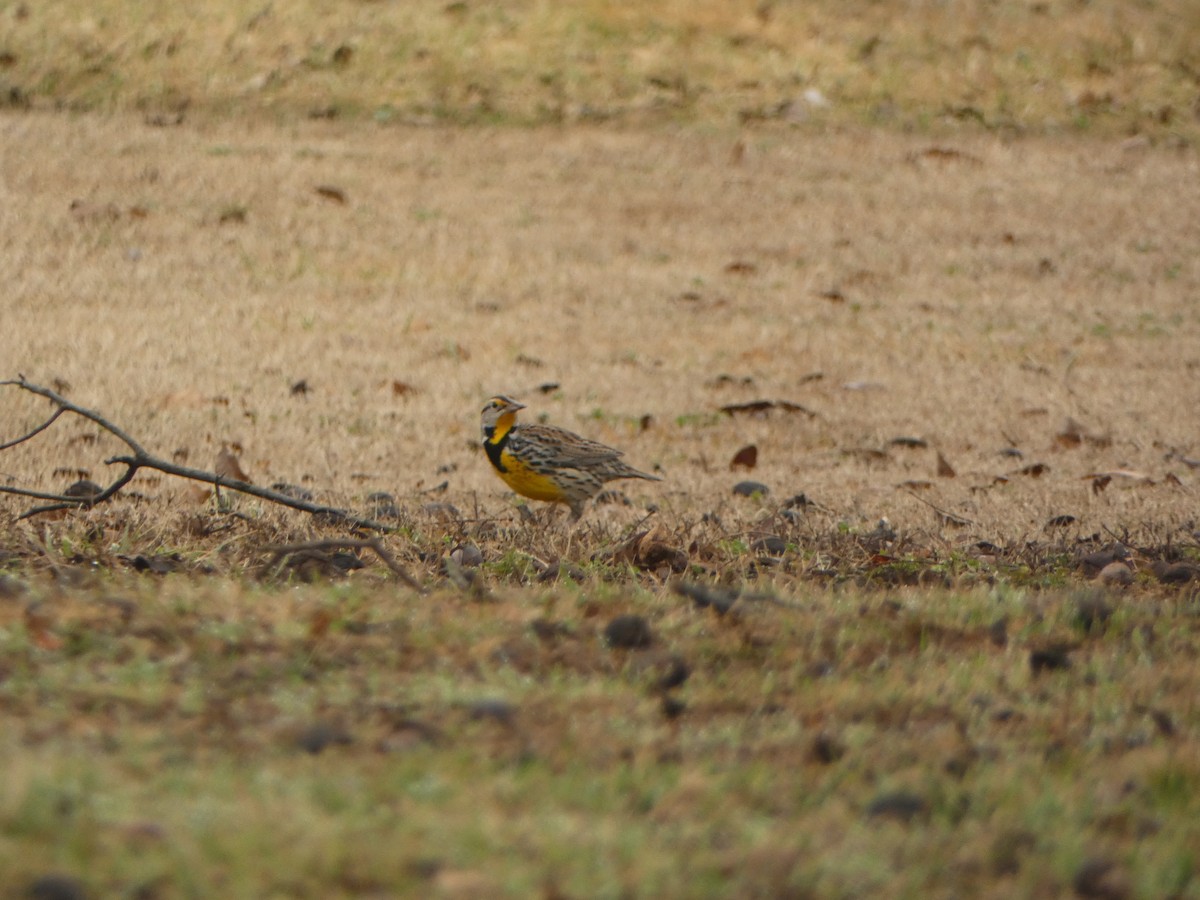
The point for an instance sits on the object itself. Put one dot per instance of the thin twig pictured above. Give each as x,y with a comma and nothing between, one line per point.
42,495
88,501
66,404
50,421
244,487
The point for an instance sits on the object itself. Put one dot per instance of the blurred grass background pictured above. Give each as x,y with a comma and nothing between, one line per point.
1033,65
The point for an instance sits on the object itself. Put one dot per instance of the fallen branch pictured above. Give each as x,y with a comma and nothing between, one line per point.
141,459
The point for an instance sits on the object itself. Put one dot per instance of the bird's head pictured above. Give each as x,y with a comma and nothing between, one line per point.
498,417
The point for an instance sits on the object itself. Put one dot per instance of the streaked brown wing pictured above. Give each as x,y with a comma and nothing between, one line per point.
559,447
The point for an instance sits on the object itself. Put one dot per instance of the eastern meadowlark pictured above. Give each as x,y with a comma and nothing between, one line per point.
543,462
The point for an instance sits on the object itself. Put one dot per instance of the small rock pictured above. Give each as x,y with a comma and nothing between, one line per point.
83,489
721,599
826,749
320,735
498,710
668,670
342,561
555,571
1115,574
549,631
1102,879
672,707
902,806
998,632
155,565
56,887
1093,563
628,633
1049,659
11,588
382,505
750,489
1175,573
797,501
612,496
1009,848
1093,611
467,555
676,673
769,543
294,491
654,551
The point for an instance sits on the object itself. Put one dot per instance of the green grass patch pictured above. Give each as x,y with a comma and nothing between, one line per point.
215,738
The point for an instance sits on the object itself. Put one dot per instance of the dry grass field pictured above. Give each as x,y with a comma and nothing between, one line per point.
936,263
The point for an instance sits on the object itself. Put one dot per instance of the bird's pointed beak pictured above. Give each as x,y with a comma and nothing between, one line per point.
514,405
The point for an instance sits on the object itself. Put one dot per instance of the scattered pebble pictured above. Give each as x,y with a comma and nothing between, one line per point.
316,737
1093,563
903,806
1102,879
382,505
1115,574
1009,848
612,496
769,543
721,599
11,588
440,510
826,749
667,670
1049,659
555,571
628,633
294,491
750,489
56,887
548,630
492,708
344,561
155,565
1093,611
83,489
672,706
1175,573
467,555
998,632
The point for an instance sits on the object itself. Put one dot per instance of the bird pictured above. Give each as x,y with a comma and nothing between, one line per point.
544,462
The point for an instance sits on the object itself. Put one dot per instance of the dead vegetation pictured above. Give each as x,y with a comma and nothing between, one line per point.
913,612
764,736
1035,67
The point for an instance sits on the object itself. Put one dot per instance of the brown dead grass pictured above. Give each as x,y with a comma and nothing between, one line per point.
166,736
977,288
975,293
1043,65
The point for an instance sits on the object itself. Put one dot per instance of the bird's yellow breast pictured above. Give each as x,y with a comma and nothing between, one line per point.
528,483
